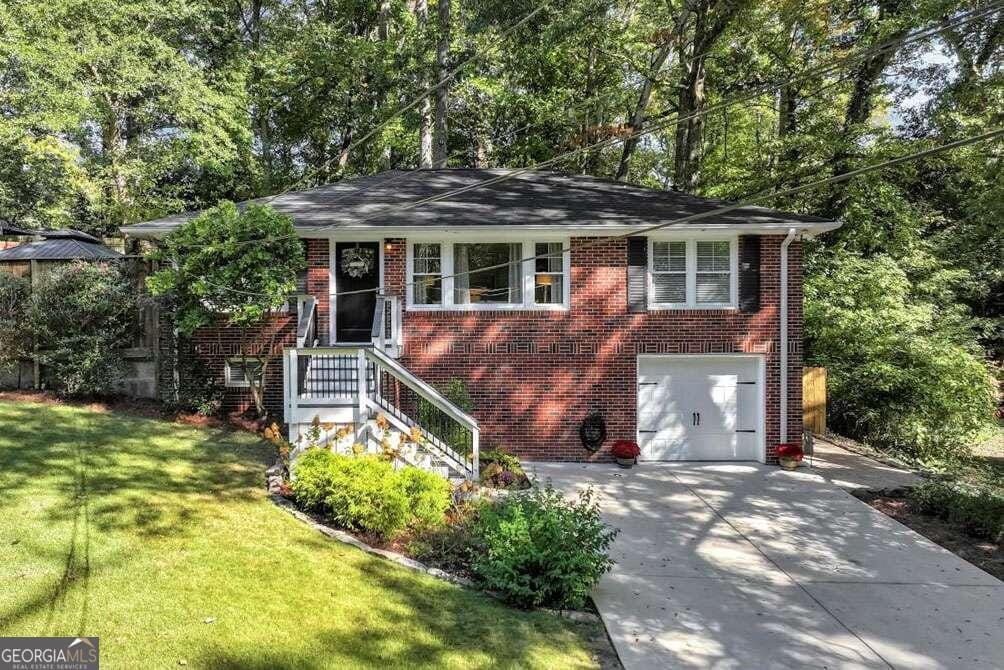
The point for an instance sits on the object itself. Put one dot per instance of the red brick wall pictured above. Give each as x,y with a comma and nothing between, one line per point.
212,346
534,375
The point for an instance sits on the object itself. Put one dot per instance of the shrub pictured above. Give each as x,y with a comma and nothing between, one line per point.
201,391
15,339
428,495
979,509
366,493
82,315
501,470
537,549
314,477
901,373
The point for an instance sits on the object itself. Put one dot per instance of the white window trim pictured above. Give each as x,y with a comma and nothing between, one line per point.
691,302
228,379
527,275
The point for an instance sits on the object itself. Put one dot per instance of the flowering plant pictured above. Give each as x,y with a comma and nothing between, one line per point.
625,449
792,450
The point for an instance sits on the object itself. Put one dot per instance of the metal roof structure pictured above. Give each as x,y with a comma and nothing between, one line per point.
59,249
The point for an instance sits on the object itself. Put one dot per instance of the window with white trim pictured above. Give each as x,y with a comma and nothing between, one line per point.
234,372
693,273
428,274
669,272
549,273
487,272
488,275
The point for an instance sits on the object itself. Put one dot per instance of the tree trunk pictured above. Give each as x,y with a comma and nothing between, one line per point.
440,129
344,149
691,100
259,114
656,63
859,106
689,126
425,110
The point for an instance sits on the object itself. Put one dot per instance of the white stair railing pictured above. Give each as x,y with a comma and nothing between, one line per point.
386,332
354,384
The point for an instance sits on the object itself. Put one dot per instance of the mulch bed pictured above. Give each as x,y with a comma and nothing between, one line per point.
984,554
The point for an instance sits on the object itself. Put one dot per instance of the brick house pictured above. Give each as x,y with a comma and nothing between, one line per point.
543,293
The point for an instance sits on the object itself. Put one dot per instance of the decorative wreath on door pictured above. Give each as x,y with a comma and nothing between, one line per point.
357,262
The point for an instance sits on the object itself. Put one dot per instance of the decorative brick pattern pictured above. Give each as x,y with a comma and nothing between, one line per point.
534,376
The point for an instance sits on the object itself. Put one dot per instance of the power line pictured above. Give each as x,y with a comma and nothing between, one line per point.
449,76
753,94
748,202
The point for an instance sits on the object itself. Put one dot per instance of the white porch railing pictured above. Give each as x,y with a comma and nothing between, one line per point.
386,333
350,385
306,326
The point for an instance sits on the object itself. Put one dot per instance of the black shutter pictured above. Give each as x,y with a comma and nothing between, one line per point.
637,274
749,273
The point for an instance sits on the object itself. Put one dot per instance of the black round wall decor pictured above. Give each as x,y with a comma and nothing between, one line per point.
593,431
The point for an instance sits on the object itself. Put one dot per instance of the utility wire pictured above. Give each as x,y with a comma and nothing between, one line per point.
753,94
748,202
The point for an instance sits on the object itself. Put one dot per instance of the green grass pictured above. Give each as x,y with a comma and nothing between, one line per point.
141,531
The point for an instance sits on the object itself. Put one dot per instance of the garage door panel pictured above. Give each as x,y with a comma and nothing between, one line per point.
673,390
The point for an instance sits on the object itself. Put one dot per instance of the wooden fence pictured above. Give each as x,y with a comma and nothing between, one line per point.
814,399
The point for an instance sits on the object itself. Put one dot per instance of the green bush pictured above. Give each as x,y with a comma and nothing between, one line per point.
502,471
315,475
537,549
901,373
428,495
979,509
82,315
367,494
15,338
200,391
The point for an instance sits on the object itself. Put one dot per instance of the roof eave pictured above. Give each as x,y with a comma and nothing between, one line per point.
140,231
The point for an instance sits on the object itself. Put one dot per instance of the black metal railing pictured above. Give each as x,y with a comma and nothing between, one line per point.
413,408
331,376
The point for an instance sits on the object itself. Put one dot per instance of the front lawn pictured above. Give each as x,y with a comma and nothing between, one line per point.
159,539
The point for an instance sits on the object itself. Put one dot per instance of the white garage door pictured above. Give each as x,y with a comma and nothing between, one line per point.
699,408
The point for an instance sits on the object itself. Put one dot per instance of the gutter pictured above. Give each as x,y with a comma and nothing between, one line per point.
370,232
783,401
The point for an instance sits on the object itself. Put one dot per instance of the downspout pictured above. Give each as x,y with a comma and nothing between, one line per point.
783,402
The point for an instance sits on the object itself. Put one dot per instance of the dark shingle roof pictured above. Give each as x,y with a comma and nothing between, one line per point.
59,249
531,198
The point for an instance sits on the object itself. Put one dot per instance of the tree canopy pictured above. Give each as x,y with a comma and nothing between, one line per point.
113,113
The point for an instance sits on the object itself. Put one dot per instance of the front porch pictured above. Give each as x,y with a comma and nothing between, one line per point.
358,396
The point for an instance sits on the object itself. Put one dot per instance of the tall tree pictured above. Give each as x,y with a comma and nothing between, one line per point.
440,141
707,21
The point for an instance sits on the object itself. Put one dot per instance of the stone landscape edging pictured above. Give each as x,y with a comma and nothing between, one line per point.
409,563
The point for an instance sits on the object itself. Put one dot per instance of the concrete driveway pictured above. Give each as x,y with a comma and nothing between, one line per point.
749,566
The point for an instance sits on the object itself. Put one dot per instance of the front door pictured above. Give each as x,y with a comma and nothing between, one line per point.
357,276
